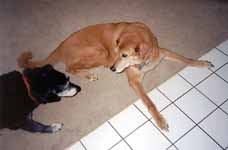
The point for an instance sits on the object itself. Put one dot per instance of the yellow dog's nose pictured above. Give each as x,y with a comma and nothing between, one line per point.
113,68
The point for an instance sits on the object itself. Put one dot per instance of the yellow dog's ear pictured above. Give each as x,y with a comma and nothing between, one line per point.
116,48
144,50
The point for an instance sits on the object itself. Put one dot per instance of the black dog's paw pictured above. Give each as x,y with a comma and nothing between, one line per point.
55,127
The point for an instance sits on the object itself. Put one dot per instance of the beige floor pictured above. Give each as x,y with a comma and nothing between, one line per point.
188,27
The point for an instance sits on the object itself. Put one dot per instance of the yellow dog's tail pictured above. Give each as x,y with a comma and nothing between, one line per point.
24,60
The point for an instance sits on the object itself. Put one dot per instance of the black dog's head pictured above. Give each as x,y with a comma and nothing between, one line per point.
49,85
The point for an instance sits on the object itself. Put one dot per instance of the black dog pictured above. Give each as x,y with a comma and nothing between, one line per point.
20,94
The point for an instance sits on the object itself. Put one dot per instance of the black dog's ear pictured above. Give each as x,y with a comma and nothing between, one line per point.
48,67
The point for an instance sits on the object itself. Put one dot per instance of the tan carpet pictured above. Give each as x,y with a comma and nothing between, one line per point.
189,27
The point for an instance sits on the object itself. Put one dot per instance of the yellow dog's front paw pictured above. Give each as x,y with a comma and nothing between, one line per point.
208,64
162,123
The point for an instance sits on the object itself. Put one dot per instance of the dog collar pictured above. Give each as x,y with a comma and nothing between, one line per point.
29,89
140,66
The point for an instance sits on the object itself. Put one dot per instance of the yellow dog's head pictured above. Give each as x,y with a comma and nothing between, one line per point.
131,52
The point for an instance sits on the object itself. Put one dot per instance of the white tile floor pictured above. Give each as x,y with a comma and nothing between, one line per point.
195,104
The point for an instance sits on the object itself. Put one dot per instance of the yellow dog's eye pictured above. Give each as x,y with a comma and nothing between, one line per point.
137,49
124,55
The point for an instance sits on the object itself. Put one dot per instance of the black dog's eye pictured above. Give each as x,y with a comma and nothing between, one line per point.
124,55
43,75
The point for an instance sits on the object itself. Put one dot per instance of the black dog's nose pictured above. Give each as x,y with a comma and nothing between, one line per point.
113,68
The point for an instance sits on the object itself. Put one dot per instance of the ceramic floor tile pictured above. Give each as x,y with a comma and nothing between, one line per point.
179,124
102,138
158,99
194,75
216,125
128,120
197,139
216,57
174,87
76,146
195,105
225,107
215,88
223,72
121,146
147,137
223,47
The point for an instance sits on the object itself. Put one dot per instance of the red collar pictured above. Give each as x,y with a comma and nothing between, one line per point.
25,79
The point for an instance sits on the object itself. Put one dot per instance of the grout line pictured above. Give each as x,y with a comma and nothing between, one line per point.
148,120
222,108
136,129
185,113
166,106
172,146
131,133
176,147
173,143
223,111
221,51
221,77
83,145
194,86
122,139
142,112
213,71
172,101
115,144
211,112
128,144
196,124
210,137
190,84
217,107
155,126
